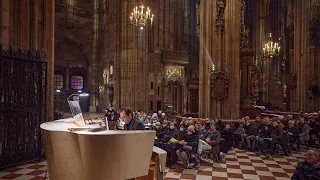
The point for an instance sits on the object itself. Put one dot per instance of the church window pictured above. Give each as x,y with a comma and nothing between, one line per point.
58,81
77,82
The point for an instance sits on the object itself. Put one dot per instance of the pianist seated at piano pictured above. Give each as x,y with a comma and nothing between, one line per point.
131,123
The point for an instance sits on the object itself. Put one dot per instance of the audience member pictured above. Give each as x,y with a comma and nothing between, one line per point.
305,170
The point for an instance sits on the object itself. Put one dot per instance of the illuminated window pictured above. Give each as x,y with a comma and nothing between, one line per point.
77,82
58,81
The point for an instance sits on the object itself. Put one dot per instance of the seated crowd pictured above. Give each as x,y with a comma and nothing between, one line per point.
192,139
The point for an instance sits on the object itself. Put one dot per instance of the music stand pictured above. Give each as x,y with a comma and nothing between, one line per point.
76,109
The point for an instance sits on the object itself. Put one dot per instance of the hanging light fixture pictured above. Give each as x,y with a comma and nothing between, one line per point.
271,48
141,16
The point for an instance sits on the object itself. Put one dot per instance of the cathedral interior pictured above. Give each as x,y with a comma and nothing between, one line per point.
221,59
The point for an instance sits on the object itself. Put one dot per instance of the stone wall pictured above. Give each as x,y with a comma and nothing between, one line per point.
136,54
29,24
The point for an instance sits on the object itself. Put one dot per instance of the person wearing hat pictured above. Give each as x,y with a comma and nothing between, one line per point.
308,169
189,146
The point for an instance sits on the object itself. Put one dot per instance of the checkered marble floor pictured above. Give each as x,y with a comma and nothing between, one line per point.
34,171
239,165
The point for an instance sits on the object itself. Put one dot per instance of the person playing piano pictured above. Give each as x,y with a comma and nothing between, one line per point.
131,123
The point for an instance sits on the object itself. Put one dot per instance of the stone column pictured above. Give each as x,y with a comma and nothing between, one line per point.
219,46
94,96
185,97
312,49
49,48
300,51
260,30
67,79
232,56
207,10
34,21
4,22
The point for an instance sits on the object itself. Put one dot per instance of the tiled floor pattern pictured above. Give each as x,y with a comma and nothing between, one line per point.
34,171
239,165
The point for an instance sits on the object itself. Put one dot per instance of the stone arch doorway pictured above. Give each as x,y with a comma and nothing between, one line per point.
72,65
175,96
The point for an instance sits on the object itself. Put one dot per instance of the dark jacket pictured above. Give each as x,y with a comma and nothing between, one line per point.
294,131
226,144
134,124
266,131
169,134
293,138
206,126
193,141
228,135
239,128
276,133
316,172
252,129
303,171
180,135
162,132
219,126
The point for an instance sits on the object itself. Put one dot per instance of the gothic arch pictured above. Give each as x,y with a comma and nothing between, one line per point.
68,35
70,50
175,77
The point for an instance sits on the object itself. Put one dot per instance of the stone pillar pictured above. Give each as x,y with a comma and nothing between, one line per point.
300,51
4,22
93,86
67,79
34,21
220,46
94,96
311,105
232,56
185,98
259,31
207,10
49,48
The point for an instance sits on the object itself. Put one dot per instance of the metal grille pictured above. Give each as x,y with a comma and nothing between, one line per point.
23,81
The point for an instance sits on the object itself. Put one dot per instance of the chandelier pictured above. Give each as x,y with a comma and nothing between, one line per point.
271,48
141,17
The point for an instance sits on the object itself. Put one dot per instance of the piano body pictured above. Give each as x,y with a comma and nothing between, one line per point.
89,152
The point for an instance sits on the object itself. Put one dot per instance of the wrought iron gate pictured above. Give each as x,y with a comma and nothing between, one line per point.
22,105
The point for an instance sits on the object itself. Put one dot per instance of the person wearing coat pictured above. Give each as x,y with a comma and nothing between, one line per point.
213,139
308,169
226,139
304,131
276,137
131,123
189,145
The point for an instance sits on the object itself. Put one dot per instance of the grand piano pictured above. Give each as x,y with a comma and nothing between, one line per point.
85,152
